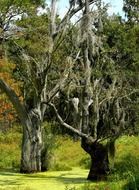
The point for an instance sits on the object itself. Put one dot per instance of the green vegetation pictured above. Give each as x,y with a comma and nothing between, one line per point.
10,149
69,154
83,75
67,166
48,180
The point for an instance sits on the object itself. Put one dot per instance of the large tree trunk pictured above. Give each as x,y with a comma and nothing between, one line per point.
99,168
32,135
31,149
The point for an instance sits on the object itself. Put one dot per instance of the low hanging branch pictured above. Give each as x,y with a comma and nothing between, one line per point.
79,133
20,109
13,97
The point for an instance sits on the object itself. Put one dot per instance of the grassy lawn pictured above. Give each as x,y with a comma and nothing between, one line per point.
68,163
52,180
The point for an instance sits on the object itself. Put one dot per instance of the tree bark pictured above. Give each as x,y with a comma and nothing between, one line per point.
31,149
99,168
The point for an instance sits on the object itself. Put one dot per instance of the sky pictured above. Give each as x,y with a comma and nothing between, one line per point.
115,6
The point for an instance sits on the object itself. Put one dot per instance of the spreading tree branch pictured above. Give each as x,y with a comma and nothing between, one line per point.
77,132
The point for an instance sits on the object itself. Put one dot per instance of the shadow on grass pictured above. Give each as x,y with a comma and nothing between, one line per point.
9,178
65,178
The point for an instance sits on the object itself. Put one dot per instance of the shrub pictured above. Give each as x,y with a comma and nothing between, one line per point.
60,167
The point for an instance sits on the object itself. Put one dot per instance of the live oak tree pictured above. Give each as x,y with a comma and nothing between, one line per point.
32,142
102,89
34,68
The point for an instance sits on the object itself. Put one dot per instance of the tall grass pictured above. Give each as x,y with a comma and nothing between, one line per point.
69,154
10,150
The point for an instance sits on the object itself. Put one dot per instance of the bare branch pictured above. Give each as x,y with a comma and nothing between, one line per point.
53,17
119,97
60,85
79,133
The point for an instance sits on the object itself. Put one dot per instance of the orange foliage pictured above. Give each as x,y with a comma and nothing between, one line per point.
7,112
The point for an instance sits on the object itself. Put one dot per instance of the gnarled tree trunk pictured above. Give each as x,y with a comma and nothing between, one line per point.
99,160
31,148
32,135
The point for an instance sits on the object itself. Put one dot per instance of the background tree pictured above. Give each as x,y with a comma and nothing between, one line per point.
124,50
131,9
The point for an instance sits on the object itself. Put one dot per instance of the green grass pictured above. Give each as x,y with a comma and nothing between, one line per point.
67,168
52,180
55,180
